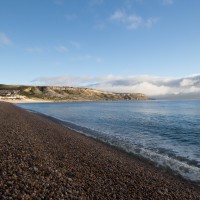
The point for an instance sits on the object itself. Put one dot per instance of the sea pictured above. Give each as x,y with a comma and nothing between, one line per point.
166,133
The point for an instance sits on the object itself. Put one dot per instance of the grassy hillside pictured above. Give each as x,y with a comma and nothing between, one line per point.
70,93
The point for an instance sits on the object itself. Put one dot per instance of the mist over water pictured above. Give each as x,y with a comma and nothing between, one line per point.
165,132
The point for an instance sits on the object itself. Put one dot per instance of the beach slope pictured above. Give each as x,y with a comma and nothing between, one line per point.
41,159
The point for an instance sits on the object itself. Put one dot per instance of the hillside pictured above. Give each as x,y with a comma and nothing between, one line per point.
52,93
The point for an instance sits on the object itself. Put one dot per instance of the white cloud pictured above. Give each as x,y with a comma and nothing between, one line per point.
150,22
168,2
118,16
61,49
132,21
4,39
150,85
187,82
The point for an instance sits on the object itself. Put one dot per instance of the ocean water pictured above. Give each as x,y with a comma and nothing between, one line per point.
165,132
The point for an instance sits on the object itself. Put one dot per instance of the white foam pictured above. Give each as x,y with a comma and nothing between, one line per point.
185,170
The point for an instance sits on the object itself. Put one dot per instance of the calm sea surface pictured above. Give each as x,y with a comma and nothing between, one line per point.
165,132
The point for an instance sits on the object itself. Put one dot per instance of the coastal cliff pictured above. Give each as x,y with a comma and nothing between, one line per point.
56,93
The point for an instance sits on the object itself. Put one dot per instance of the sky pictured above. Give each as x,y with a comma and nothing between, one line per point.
147,46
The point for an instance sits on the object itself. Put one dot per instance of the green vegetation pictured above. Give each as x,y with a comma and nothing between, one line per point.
70,93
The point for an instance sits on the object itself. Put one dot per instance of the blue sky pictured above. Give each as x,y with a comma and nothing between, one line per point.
89,42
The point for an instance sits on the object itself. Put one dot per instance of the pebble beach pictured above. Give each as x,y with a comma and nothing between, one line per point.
42,159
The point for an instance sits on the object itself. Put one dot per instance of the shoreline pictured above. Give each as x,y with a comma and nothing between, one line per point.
24,100
120,149
86,167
